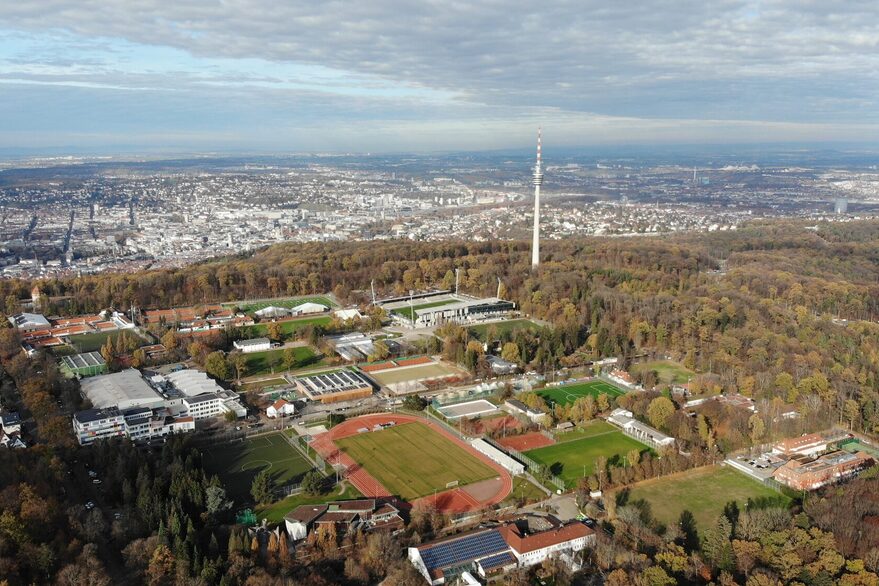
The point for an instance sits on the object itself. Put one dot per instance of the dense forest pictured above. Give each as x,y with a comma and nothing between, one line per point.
779,311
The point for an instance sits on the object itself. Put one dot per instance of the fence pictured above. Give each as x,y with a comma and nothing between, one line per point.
533,467
463,398
302,446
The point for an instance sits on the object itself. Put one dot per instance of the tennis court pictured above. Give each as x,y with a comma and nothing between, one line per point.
567,394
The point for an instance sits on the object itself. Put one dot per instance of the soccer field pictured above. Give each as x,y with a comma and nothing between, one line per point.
273,360
412,460
565,395
290,326
703,492
237,463
573,460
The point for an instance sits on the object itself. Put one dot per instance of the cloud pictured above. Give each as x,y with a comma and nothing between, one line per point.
783,63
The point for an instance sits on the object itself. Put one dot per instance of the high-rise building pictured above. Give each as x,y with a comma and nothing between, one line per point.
841,206
538,181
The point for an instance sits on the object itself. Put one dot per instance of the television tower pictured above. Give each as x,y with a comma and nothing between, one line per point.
538,181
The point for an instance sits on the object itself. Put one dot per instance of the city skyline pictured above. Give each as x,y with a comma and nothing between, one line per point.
375,77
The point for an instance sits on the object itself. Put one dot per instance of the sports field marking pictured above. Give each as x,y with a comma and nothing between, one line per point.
253,464
237,463
567,394
412,460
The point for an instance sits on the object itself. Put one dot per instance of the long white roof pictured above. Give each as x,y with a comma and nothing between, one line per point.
193,382
125,390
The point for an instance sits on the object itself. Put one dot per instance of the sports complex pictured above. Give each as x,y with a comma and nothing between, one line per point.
391,454
237,463
567,394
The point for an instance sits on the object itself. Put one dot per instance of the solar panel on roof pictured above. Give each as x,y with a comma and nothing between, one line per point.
496,561
463,549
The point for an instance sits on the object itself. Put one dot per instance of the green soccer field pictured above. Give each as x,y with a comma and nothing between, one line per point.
703,492
288,327
237,463
412,460
93,342
287,302
668,371
573,460
567,394
271,361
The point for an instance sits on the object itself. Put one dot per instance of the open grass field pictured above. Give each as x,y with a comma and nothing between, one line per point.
588,429
703,492
93,342
282,302
669,371
237,463
408,312
570,461
496,330
524,489
412,460
422,371
289,327
567,394
276,511
271,361
264,384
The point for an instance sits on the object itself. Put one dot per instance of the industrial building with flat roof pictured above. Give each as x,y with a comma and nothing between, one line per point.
805,473
341,385
83,365
126,404
124,390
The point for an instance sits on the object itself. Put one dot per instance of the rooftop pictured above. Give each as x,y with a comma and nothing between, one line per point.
122,389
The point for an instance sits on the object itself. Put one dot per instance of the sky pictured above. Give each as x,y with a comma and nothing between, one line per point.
389,76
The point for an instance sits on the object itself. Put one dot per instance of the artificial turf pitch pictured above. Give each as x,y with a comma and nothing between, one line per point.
567,394
573,460
412,460
238,462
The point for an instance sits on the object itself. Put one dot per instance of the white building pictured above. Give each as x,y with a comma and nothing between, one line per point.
29,321
491,551
508,462
642,432
347,314
92,425
280,408
309,308
272,312
254,345
138,424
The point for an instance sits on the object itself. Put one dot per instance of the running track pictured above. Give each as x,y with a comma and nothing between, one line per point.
456,500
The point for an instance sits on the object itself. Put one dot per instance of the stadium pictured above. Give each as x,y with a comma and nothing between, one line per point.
417,460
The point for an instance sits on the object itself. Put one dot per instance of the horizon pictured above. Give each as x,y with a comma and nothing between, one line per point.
377,77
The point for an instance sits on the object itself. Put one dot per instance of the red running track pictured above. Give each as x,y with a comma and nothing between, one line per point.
456,500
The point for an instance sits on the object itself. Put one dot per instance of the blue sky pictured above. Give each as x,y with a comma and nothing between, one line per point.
391,76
